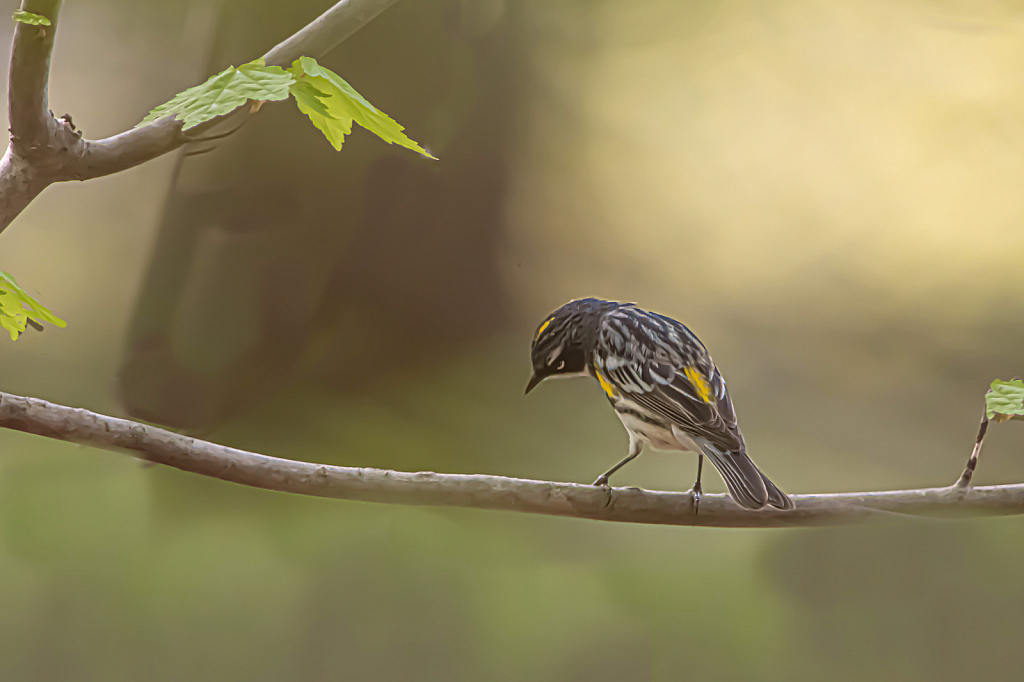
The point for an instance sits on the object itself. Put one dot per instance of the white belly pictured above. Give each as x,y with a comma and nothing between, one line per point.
658,436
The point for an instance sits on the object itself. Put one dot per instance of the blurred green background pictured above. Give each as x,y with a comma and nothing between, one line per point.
828,193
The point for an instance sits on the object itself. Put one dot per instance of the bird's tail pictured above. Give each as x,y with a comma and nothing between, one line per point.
747,485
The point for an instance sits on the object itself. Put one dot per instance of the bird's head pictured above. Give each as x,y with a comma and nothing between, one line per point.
565,339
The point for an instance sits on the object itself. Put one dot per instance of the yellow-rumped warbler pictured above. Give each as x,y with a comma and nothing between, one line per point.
662,383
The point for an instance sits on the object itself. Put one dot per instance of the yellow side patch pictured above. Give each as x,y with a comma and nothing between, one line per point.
699,383
542,328
605,384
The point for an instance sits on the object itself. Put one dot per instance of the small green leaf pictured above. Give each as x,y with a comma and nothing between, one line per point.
344,105
225,92
31,19
17,307
1005,400
333,124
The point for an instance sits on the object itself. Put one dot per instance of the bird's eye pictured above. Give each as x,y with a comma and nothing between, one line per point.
561,364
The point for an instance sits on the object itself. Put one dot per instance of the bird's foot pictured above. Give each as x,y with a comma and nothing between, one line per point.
602,482
695,494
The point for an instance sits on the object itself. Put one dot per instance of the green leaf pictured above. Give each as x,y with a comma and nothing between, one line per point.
308,97
31,19
17,307
225,92
1005,400
344,105
328,122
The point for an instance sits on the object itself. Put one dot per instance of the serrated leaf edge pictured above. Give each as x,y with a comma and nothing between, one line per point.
309,67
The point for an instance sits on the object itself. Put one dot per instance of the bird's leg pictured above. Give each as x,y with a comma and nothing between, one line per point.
696,492
635,446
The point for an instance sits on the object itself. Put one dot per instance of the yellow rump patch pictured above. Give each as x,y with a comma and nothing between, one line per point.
699,383
605,384
542,328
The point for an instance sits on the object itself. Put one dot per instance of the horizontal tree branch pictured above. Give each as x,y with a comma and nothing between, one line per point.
152,444
45,150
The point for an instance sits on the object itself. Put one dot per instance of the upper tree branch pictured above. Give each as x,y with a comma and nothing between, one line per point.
152,444
26,165
45,150
30,119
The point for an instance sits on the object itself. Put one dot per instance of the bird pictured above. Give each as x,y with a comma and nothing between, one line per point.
662,383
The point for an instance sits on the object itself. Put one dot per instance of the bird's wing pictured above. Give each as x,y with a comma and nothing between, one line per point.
661,365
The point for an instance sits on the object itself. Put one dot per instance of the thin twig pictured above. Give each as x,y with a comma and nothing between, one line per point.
152,444
199,152
972,462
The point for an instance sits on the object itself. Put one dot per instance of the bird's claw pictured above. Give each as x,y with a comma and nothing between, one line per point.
602,481
696,493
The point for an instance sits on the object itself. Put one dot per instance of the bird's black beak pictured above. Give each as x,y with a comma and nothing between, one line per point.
536,379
